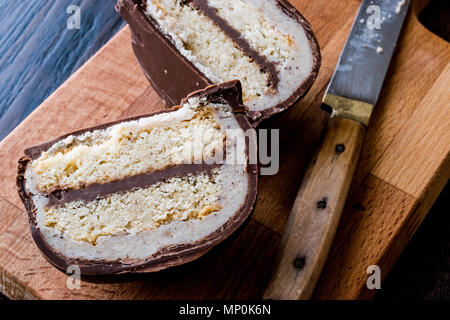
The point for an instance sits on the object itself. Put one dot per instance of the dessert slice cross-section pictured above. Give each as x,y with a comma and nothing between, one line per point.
145,193
266,44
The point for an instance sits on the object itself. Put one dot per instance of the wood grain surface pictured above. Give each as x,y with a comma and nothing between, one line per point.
383,211
423,270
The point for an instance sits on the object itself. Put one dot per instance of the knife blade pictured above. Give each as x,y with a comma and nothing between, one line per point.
350,97
358,78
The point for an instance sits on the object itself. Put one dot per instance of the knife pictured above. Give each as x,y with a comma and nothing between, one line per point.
350,98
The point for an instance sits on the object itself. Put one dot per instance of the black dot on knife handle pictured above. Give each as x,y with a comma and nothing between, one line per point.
340,148
299,262
322,204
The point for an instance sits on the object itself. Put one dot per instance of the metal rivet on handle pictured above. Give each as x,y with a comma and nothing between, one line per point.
322,204
339,148
299,262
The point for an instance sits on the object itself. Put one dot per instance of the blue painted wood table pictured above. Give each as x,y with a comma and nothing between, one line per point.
38,50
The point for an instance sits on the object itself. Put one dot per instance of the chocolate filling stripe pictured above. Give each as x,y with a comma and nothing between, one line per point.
236,36
98,190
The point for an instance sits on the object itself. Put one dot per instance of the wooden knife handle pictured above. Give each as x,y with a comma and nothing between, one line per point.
316,212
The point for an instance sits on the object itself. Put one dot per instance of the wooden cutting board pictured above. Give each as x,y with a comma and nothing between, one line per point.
404,166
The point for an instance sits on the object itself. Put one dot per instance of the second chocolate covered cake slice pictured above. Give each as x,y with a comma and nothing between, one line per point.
145,193
266,44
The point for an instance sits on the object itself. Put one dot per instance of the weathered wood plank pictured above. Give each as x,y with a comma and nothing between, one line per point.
38,52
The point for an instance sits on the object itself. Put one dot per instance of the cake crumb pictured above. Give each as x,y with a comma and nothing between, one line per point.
380,50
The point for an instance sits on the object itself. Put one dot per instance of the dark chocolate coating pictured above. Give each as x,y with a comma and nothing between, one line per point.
173,76
168,256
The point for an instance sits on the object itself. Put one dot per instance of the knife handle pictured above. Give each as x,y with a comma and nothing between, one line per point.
316,212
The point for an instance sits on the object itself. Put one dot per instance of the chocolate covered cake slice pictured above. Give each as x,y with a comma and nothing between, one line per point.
145,193
266,44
